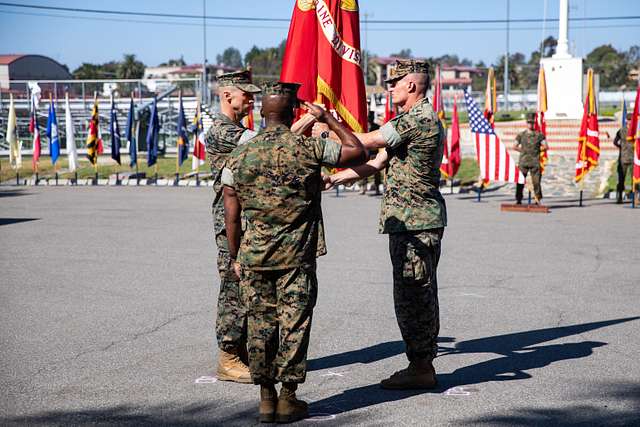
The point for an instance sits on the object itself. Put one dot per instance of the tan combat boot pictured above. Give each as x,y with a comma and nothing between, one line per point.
289,408
231,368
419,375
268,403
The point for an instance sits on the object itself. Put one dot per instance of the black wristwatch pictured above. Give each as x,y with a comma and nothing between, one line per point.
324,134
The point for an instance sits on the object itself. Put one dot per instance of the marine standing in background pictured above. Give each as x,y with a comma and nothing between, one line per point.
530,143
276,182
625,158
413,214
226,133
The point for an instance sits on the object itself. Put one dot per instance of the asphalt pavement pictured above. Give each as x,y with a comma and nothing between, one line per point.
108,304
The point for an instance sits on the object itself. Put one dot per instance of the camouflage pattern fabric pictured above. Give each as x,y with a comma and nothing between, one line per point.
231,329
412,199
278,184
536,176
280,306
626,147
403,67
221,139
231,320
530,142
415,257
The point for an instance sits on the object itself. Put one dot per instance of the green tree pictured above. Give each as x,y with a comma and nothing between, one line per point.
404,53
174,62
266,63
516,62
130,68
231,57
87,71
611,65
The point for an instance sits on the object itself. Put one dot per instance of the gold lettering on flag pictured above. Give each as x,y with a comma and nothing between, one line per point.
328,25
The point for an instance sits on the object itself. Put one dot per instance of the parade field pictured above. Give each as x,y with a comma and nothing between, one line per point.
108,305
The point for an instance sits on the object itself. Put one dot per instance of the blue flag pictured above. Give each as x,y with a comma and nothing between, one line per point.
183,139
153,132
115,134
133,149
52,134
623,120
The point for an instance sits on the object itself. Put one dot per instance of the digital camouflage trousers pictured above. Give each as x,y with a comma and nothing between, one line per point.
415,256
231,322
279,311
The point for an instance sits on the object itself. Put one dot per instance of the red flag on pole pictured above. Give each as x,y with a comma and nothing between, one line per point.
634,133
490,100
323,55
450,168
33,128
588,142
389,108
541,125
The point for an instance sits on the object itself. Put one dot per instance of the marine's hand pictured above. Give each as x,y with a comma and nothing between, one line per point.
236,269
328,182
316,111
318,128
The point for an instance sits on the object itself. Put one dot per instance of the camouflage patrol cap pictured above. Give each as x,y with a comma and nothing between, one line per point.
281,88
407,66
239,79
531,117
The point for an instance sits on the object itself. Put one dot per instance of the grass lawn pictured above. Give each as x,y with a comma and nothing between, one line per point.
613,178
166,168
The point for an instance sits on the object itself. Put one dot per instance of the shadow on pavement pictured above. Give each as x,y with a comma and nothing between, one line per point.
14,193
370,354
626,395
8,221
125,415
519,352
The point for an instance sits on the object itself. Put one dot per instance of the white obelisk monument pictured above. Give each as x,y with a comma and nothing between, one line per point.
563,74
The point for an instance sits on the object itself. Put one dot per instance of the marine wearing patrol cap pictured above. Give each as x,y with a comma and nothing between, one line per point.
407,66
239,79
531,117
281,88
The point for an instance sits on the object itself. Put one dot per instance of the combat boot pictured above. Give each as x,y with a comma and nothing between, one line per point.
268,403
289,408
231,368
419,375
619,198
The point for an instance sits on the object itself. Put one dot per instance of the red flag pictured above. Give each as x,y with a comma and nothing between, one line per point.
540,124
389,108
451,157
588,142
490,100
634,132
33,128
632,126
323,55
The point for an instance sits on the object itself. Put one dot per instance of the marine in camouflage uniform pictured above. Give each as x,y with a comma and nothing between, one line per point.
276,180
223,137
530,143
414,215
625,158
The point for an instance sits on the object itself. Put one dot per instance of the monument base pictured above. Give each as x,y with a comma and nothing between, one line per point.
563,77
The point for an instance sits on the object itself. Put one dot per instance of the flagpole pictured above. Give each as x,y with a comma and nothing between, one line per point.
177,180
95,165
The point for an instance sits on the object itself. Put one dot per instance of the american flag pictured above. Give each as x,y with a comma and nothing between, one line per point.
493,158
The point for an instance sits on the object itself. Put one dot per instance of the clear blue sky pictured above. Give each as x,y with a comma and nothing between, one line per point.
73,38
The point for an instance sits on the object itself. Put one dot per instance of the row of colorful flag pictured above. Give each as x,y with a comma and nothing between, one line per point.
94,142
